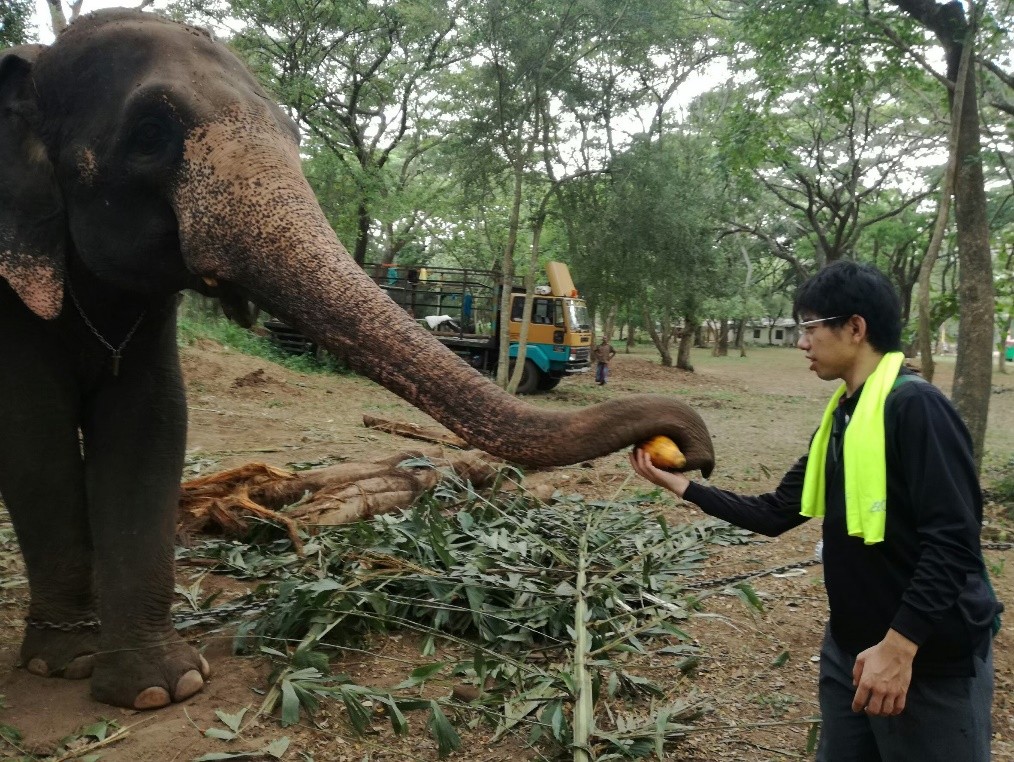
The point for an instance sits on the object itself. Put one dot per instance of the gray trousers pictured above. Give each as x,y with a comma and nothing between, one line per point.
946,719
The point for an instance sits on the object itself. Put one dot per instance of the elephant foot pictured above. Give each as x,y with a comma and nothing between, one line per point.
149,677
191,682
54,653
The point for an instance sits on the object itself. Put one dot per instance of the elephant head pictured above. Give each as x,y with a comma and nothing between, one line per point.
146,149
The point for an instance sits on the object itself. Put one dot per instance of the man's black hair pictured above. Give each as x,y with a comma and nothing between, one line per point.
845,288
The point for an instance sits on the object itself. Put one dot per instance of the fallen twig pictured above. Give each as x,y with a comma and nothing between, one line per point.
414,431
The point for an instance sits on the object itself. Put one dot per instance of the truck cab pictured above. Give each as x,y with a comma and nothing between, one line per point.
559,336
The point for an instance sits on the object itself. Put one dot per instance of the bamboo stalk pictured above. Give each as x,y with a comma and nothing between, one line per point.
584,708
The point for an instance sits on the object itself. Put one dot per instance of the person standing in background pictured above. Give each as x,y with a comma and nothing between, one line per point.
603,353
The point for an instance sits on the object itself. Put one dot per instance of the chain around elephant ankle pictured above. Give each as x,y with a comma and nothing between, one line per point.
82,625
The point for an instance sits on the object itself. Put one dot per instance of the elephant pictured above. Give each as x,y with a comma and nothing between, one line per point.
140,158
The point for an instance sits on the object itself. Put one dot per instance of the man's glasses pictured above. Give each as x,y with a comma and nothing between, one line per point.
808,325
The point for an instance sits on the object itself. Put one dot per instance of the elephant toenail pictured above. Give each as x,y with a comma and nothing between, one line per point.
152,698
80,667
38,666
188,685
205,667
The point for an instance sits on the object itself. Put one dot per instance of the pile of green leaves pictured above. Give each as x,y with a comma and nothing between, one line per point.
498,578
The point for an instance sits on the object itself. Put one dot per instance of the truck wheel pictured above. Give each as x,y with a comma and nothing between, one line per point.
548,383
529,383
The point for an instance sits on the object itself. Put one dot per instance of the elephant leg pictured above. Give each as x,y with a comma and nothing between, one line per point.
134,441
42,484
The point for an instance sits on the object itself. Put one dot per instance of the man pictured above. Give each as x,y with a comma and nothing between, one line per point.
906,667
603,353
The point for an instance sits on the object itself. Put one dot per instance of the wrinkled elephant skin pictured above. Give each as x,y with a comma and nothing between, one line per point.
139,158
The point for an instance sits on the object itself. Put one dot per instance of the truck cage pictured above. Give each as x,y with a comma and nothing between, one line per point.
450,301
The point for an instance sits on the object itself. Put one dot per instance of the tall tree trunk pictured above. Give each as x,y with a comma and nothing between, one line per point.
974,367
700,336
973,370
362,234
741,323
686,342
943,214
507,269
721,348
609,324
658,338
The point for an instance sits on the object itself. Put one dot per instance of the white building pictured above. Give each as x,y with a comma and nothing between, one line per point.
779,332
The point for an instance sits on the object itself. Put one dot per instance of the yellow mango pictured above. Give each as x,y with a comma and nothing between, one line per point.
664,453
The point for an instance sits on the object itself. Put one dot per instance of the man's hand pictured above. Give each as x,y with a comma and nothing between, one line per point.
671,480
882,675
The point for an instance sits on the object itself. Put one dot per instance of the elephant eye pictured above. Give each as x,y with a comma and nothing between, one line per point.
149,136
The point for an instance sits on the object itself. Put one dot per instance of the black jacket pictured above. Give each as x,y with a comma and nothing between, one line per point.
926,579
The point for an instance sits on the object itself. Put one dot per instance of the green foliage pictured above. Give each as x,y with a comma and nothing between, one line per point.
194,326
1002,489
16,23
302,680
832,134
10,734
495,576
658,227
833,44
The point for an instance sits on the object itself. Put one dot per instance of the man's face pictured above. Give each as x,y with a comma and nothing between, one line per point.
829,348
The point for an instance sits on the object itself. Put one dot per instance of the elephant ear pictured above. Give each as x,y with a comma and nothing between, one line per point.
32,221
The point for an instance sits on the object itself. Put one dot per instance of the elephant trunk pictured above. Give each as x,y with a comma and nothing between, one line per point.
247,215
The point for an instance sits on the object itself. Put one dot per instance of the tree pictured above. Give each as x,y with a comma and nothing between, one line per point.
897,245
634,82
532,101
16,22
828,155
59,18
662,215
851,43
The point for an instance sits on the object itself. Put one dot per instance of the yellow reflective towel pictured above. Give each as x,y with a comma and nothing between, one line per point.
864,454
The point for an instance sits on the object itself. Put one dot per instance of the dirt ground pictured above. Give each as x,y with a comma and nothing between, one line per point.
761,411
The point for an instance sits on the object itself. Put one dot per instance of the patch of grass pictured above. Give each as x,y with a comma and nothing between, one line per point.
777,703
999,488
1003,488
194,326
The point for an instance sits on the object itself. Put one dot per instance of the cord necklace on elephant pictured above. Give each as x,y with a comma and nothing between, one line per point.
117,351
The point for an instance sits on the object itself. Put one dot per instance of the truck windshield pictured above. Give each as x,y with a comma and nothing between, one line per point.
577,315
